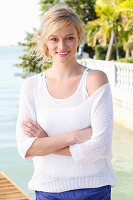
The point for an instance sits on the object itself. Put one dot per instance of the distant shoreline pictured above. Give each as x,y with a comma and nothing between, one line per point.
12,45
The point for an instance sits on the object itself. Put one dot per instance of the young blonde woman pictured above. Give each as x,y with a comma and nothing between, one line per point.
65,118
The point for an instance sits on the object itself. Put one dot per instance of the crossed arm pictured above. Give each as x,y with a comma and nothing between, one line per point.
59,145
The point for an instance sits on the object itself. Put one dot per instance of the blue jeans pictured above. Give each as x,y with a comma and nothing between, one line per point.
100,193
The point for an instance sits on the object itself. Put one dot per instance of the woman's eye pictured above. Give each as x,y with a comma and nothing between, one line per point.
69,38
53,39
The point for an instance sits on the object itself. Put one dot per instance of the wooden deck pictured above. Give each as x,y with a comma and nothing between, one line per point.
9,191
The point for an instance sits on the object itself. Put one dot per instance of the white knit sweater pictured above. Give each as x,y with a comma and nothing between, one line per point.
90,164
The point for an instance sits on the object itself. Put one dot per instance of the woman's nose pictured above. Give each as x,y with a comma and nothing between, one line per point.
61,45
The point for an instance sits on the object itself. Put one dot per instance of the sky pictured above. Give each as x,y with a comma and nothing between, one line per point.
16,18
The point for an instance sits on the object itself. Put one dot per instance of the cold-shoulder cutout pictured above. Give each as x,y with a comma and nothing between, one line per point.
95,80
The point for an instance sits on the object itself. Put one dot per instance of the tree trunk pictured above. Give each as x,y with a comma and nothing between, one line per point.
127,52
110,48
132,52
117,49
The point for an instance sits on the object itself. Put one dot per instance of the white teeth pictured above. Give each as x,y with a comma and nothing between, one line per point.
63,53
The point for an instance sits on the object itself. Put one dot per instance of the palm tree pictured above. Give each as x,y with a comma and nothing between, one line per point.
127,23
109,25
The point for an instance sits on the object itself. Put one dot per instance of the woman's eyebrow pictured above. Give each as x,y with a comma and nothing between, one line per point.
65,35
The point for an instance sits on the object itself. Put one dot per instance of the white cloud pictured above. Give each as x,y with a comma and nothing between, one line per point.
16,18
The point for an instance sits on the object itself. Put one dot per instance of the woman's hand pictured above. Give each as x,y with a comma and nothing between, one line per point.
83,135
33,129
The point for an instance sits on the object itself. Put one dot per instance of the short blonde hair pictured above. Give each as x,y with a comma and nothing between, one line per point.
55,18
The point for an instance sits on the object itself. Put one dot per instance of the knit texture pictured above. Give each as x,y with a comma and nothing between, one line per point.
90,164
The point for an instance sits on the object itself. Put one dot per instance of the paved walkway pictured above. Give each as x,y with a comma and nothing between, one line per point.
123,163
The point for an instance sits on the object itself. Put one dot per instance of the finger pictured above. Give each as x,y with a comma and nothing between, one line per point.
35,123
30,125
28,134
38,132
28,129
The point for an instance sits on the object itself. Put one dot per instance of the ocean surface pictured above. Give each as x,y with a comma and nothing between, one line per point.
11,163
20,171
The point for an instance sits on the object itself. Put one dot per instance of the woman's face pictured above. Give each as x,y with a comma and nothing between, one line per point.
62,44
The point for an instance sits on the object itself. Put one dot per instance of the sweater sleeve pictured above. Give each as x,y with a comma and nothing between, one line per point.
26,111
101,117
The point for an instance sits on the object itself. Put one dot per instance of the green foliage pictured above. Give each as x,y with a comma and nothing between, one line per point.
100,52
127,60
108,14
46,4
30,63
114,15
84,8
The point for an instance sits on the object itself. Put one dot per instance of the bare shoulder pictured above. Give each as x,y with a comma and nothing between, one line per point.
95,79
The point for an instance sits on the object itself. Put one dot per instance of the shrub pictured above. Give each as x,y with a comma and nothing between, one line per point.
127,60
90,50
100,52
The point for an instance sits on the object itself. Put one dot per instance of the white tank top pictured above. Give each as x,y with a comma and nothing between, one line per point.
79,96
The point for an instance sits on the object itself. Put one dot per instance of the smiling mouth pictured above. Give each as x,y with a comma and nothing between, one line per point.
63,53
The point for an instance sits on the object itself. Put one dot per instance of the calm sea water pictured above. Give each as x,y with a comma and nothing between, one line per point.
20,171
10,162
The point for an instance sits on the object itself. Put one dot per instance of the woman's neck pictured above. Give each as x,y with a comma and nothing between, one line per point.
62,71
